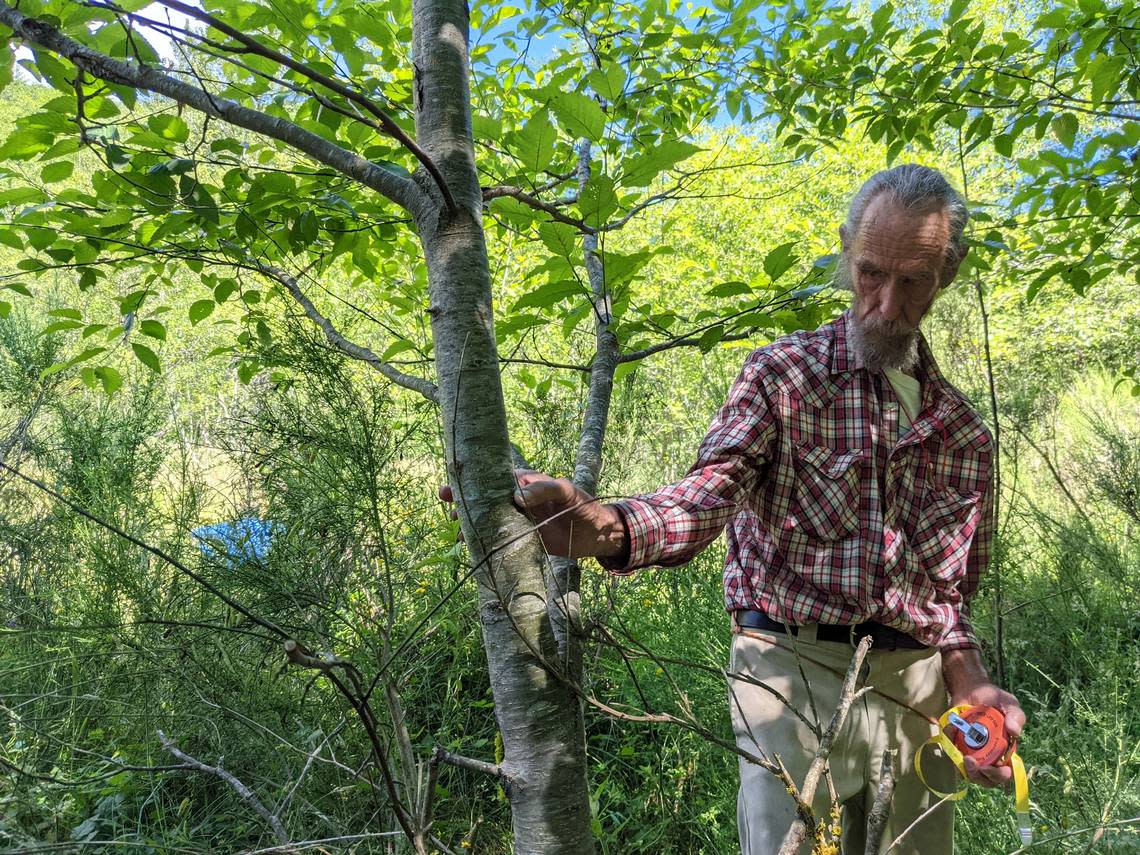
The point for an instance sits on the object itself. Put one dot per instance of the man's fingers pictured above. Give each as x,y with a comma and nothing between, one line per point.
987,776
1014,719
544,491
445,494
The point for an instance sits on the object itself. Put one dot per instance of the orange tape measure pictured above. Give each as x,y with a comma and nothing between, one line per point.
979,732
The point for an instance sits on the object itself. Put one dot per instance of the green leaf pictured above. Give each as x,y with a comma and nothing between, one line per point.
58,171
18,287
20,195
89,353
247,369
1065,127
133,301
881,20
223,290
61,326
598,200
6,60
1003,145
579,114
710,338
70,314
642,169
548,295
200,310
728,289
560,238
396,348
535,143
956,11
625,369
146,356
305,229
169,127
10,238
112,379
777,262
153,328
608,81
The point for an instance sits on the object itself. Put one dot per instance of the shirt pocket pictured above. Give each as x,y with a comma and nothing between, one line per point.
945,529
827,491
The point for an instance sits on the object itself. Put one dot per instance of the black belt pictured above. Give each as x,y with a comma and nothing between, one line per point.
882,637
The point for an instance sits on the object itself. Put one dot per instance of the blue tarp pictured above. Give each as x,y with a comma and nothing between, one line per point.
238,541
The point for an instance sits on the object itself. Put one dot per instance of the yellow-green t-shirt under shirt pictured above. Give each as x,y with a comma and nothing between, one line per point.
909,392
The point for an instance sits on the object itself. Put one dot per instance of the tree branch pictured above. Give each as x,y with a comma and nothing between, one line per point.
402,191
247,795
407,381
490,193
881,809
386,122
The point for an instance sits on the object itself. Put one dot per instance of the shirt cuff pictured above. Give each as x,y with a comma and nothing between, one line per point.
961,637
645,526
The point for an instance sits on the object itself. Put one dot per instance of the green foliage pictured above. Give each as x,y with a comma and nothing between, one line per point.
174,384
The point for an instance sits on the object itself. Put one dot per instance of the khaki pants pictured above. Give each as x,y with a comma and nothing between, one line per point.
761,721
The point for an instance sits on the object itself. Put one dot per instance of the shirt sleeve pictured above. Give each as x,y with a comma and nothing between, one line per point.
962,634
672,524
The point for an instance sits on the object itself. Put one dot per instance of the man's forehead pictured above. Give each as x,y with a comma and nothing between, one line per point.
889,227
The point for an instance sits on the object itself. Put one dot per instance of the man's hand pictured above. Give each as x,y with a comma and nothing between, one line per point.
570,521
987,694
968,683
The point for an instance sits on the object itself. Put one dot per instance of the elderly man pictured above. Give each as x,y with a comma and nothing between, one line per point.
856,484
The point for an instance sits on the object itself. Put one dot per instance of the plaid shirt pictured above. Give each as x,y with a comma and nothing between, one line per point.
832,515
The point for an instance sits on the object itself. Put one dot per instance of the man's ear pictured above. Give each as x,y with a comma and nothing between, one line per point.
844,238
951,269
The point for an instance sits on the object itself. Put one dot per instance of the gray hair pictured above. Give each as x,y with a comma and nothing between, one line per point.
914,186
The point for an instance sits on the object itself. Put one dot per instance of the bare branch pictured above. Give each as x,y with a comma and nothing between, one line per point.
442,755
804,823
881,809
408,381
247,795
490,193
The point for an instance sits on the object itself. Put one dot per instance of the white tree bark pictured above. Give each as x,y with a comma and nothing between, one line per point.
538,712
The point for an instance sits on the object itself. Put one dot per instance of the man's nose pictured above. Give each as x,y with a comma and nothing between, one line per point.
891,301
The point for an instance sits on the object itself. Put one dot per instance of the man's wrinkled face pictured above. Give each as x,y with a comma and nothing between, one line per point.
896,264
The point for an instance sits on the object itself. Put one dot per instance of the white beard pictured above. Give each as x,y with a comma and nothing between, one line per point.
885,344
880,344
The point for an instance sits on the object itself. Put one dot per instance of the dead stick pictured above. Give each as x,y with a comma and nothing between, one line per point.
247,795
805,820
881,809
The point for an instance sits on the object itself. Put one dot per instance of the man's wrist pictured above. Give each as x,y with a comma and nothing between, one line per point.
962,671
615,541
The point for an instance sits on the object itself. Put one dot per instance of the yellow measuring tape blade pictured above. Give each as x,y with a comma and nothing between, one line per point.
1020,779
949,749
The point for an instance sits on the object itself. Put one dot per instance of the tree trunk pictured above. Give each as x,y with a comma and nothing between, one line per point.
537,710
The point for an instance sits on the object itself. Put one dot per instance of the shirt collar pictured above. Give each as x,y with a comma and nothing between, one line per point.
845,358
